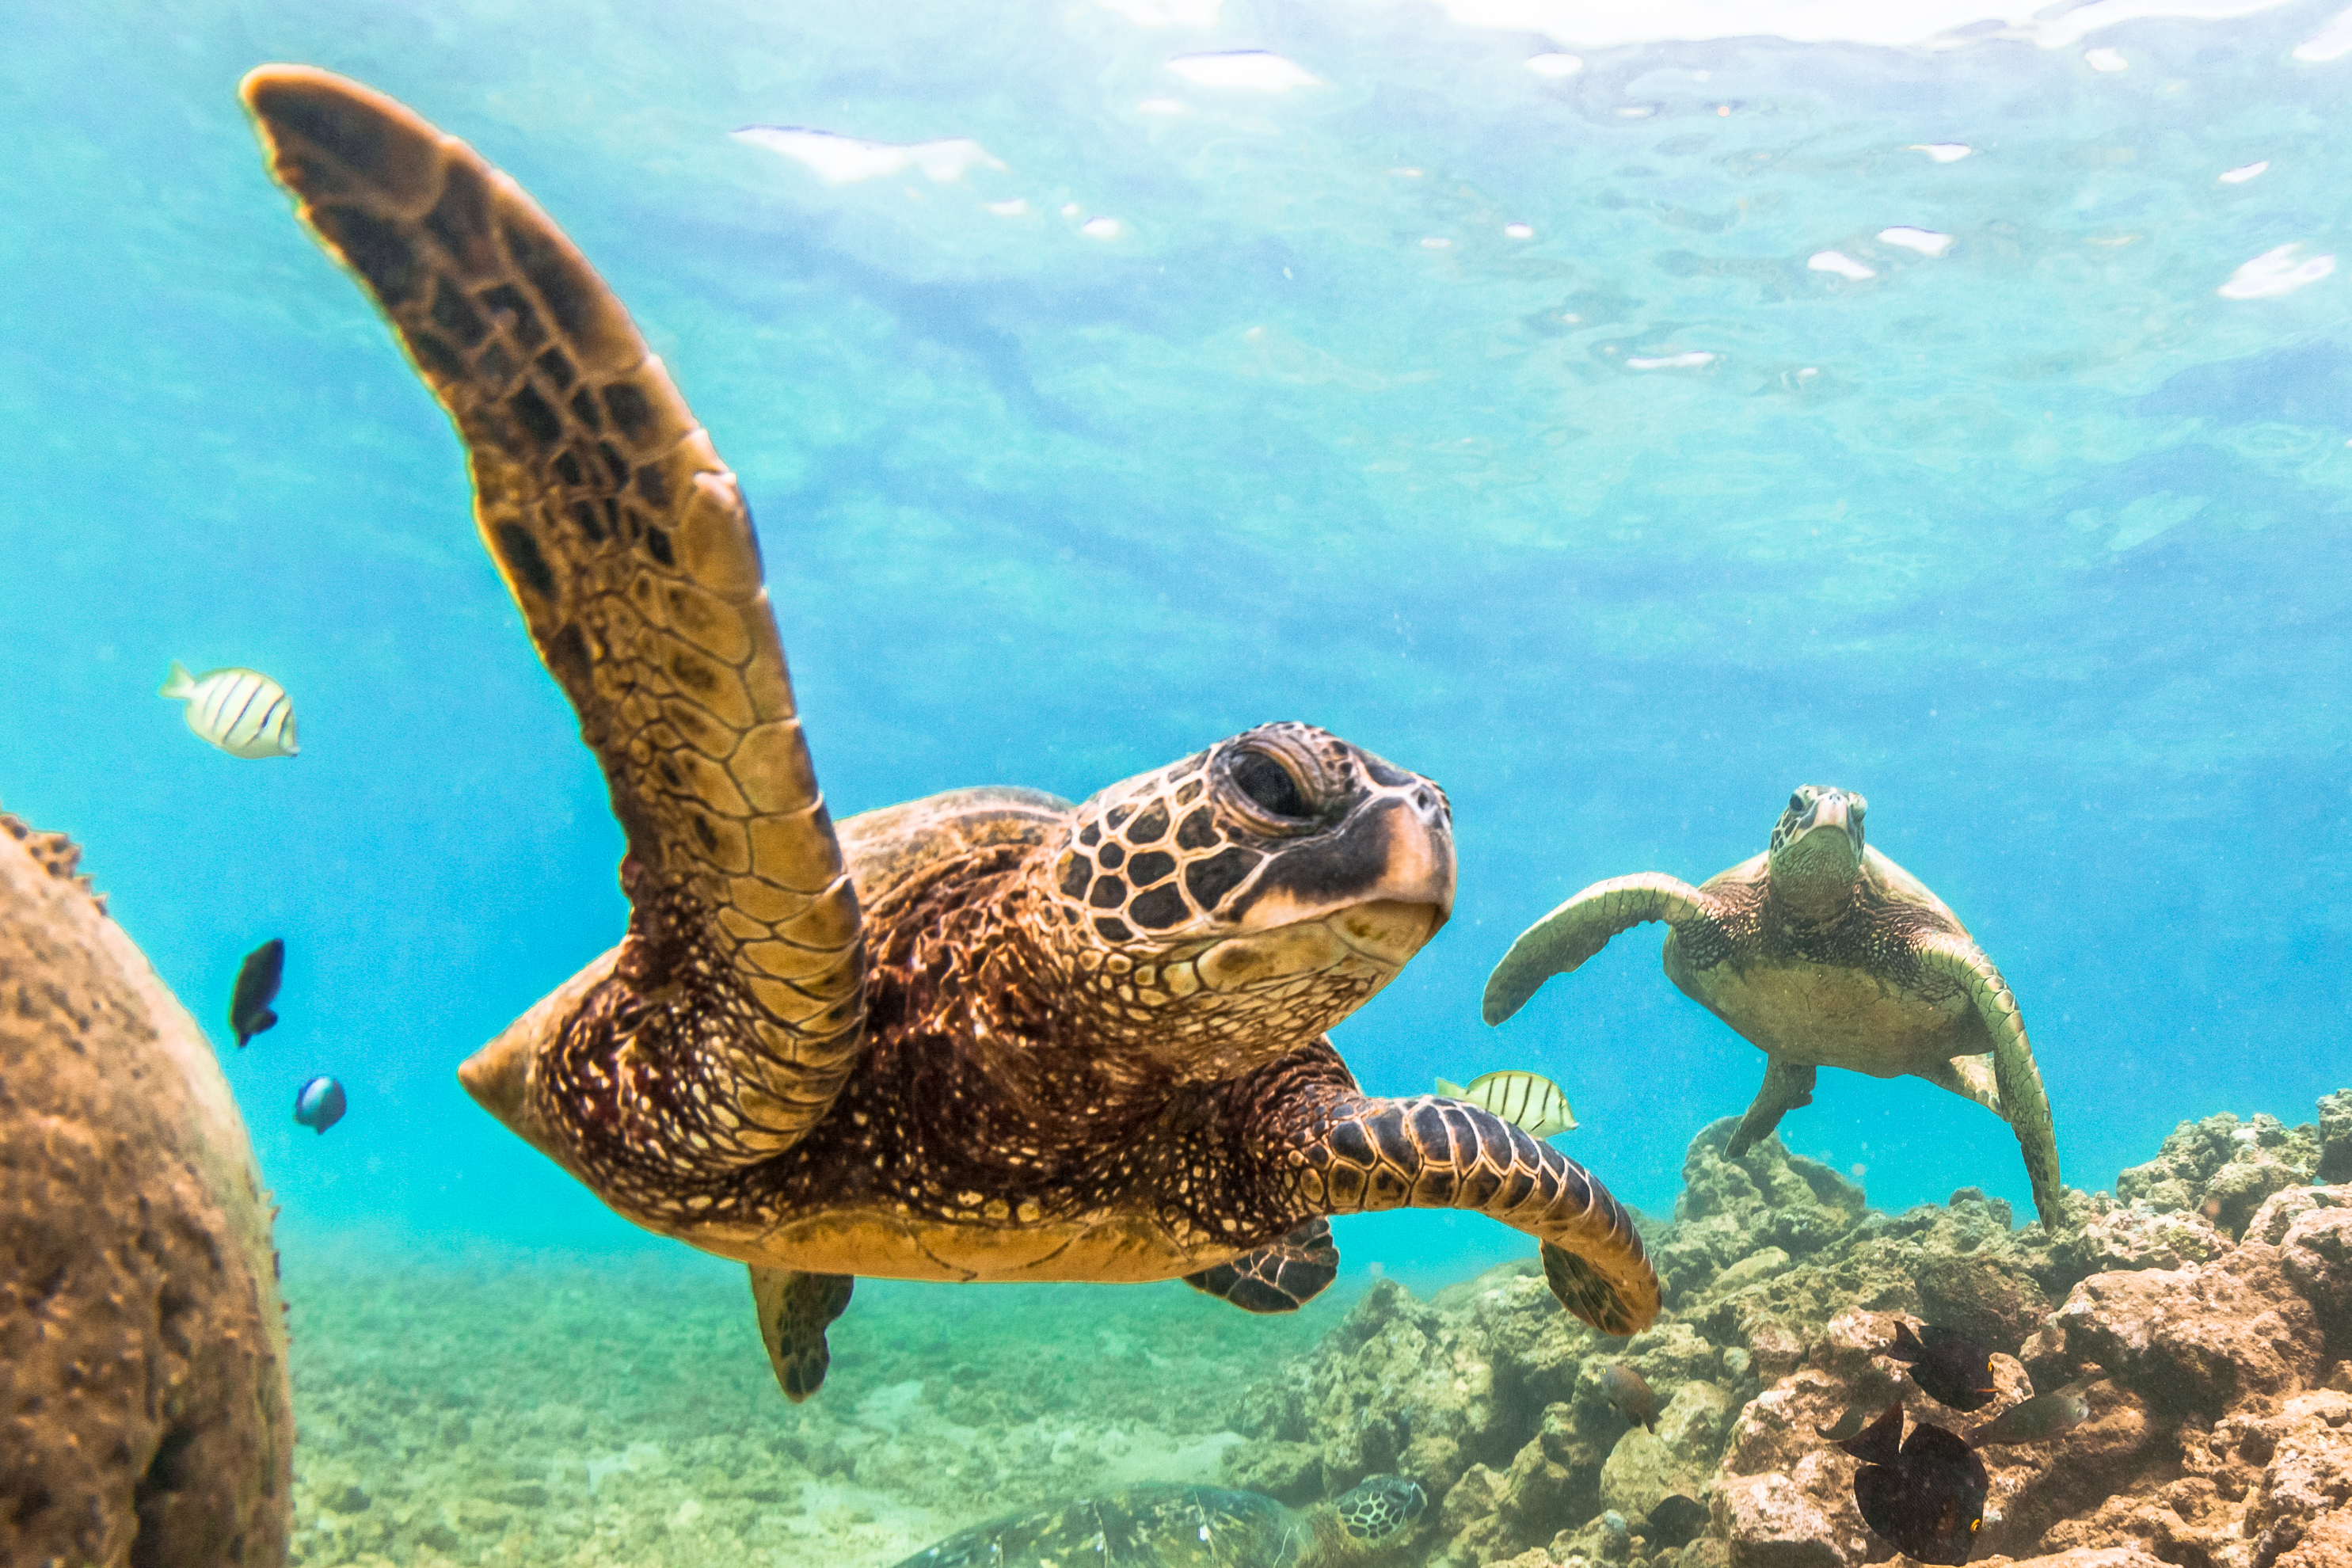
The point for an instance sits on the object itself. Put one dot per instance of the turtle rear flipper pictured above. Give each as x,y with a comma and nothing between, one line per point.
1561,940
1787,1086
1282,1277
626,545
795,1308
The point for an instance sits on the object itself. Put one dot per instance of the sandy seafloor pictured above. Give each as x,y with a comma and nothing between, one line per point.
496,1411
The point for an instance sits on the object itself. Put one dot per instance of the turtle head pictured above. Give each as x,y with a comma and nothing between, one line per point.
1228,907
1816,854
1378,1507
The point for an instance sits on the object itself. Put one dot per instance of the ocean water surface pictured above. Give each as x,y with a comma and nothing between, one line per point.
1621,425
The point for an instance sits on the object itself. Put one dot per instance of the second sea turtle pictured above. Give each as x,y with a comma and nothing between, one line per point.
1822,952
1192,1527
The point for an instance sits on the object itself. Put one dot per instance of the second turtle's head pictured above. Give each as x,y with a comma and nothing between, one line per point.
1231,906
1816,854
1377,1507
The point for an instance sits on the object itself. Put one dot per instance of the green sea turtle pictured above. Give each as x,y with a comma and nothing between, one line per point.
1824,952
985,1036
1192,1527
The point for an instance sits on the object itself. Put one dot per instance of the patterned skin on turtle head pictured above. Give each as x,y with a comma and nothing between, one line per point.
1816,853
1380,1505
1219,909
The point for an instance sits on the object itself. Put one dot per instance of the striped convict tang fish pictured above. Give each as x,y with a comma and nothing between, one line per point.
242,712
1528,1100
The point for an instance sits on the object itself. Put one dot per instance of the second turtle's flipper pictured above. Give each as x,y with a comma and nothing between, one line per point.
2022,1102
1282,1277
627,547
1362,1155
1787,1086
795,1308
1581,927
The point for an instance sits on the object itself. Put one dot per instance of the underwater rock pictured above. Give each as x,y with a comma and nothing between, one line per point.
1646,1466
2223,1168
2139,1236
1732,1209
2335,1138
2216,1371
2189,1341
144,1412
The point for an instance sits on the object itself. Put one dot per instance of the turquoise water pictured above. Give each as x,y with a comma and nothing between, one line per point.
1618,527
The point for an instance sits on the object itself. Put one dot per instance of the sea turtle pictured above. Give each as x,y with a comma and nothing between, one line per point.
1181,1527
985,1036
1824,952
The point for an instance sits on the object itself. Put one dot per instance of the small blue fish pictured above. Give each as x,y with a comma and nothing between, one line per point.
320,1103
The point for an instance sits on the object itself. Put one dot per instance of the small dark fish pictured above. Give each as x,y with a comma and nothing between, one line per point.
1845,1426
1676,1520
320,1103
2039,1419
1947,1363
1926,1496
256,988
1629,1395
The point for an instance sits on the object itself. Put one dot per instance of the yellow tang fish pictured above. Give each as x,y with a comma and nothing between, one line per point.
1531,1100
242,712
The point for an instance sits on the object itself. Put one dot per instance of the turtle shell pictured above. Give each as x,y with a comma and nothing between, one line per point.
1142,1527
889,850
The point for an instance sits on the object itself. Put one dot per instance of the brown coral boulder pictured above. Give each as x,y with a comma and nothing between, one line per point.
143,1405
2189,1341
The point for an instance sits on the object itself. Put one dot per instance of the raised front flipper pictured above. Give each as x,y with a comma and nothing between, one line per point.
1564,939
733,1013
1358,1154
2022,1103
1787,1086
1282,1277
795,1308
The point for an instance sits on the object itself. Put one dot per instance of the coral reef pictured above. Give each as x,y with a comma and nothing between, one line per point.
2206,1308
143,1403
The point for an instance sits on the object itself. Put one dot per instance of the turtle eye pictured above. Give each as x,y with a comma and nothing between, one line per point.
1797,802
1269,785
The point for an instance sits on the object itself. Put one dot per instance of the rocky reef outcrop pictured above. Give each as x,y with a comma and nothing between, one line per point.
143,1409
2205,1308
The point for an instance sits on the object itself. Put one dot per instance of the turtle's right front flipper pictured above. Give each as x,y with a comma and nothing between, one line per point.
1564,939
1357,1154
730,1019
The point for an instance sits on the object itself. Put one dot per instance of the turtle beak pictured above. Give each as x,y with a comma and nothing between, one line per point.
1830,811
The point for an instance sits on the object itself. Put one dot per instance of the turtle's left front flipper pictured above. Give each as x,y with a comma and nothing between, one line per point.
1561,942
1282,1277
1356,1154
2022,1101
626,545
795,1308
